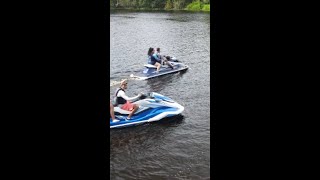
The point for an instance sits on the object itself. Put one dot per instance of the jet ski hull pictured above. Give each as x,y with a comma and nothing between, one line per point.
150,110
149,73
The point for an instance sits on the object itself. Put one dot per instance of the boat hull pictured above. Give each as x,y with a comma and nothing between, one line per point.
149,73
151,109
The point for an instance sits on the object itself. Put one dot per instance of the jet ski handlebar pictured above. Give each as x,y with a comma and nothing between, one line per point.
146,95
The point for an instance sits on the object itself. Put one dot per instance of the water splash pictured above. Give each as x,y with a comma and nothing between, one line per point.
113,83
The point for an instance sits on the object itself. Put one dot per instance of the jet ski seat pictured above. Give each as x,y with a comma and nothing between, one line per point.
150,66
118,109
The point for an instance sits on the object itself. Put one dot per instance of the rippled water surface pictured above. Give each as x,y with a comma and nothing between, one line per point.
175,148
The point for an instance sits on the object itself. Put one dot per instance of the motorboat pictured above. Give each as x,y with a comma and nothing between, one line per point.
152,107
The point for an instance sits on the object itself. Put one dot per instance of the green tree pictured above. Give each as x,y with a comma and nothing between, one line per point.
169,4
161,4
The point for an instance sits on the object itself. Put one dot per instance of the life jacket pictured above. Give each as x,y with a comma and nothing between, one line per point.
158,55
119,100
149,60
153,60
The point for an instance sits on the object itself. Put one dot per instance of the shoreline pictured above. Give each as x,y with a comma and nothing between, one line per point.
157,9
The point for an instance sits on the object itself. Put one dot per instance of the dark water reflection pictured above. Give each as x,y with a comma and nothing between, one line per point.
175,148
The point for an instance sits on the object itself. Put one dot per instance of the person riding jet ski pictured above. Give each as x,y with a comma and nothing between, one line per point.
152,107
163,59
153,59
123,101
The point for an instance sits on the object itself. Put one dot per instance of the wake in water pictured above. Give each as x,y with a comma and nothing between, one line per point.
113,82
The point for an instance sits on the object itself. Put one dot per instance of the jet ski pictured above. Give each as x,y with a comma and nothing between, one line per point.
152,107
150,71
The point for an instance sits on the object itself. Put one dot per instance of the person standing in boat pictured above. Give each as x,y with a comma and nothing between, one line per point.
112,113
124,101
162,58
153,59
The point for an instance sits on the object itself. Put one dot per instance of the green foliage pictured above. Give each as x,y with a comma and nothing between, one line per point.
176,4
199,6
169,4
205,1
162,4
194,6
206,7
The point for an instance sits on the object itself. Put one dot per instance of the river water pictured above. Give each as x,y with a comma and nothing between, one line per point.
175,148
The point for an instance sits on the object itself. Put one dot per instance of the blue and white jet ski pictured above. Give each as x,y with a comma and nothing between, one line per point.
152,107
150,70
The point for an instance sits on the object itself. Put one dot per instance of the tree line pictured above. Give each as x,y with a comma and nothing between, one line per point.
161,4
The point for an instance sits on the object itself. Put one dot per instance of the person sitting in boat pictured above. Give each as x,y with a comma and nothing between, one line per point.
124,101
112,113
153,59
163,59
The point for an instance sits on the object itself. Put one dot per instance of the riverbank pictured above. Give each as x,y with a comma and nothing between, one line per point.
159,9
194,6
